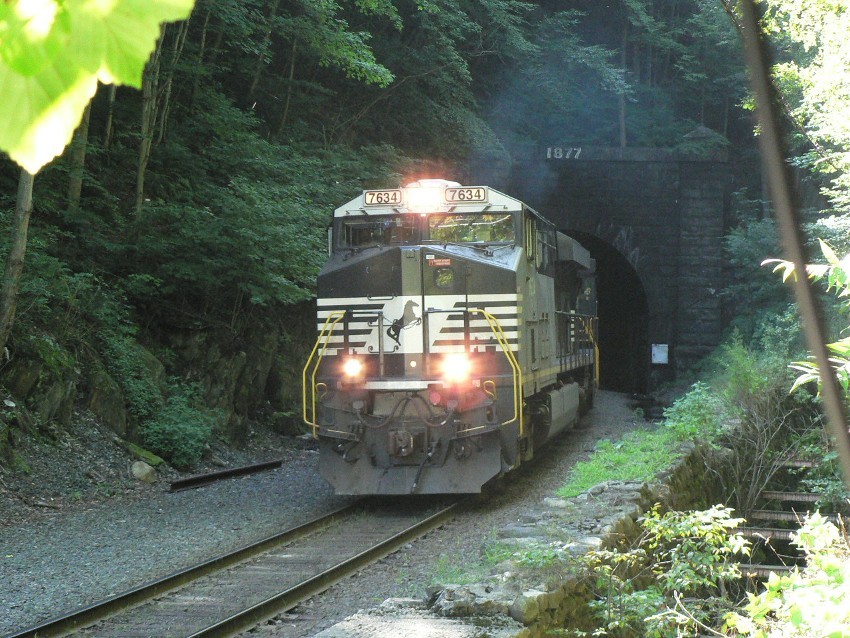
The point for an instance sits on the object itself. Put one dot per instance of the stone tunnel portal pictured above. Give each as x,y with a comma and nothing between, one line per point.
665,211
624,351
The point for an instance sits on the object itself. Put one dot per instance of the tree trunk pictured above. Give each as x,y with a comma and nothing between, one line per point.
15,258
285,115
622,98
261,58
202,47
176,52
150,82
77,156
107,129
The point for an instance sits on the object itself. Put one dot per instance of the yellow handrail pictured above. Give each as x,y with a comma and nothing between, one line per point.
323,340
588,328
517,371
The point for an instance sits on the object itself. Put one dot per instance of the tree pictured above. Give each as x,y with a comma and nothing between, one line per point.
812,73
52,55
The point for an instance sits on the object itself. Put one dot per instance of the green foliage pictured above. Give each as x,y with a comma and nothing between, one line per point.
810,38
640,588
533,557
53,54
447,570
638,456
752,287
835,275
126,364
809,601
180,430
748,409
698,415
824,477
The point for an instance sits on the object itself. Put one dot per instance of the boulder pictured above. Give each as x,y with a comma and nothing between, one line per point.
143,472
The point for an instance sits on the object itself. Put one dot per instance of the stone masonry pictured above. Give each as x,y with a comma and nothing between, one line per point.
663,210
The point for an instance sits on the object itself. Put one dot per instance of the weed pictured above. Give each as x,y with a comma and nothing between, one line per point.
447,570
679,554
638,456
696,415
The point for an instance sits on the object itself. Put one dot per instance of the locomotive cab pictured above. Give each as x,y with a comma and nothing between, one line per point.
446,351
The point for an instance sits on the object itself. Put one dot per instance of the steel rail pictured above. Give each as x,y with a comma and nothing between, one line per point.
199,480
320,582
766,533
63,625
795,497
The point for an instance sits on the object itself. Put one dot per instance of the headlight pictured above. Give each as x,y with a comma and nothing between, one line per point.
423,198
352,367
456,368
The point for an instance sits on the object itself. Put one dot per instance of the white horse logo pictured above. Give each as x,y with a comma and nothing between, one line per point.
407,320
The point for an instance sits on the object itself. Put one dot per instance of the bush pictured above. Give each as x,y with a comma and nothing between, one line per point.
640,588
696,415
126,364
180,431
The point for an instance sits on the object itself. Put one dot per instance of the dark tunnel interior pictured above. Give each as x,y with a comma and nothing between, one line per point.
623,318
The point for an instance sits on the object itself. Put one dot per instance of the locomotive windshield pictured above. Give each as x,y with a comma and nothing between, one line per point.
359,232
460,229
389,230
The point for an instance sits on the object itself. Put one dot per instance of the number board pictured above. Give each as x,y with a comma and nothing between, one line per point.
387,197
466,194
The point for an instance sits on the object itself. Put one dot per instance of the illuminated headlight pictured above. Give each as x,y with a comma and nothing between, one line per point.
423,198
456,368
352,367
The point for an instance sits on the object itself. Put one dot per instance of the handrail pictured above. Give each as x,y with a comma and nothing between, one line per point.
309,415
323,340
499,332
588,328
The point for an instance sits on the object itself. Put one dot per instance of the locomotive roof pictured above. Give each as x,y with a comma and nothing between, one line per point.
453,198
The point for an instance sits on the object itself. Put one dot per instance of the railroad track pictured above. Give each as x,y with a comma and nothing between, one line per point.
773,541
237,591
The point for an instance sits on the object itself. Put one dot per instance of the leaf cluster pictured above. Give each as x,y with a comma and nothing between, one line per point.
835,276
809,601
680,558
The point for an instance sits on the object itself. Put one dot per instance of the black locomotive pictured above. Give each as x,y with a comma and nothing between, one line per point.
457,334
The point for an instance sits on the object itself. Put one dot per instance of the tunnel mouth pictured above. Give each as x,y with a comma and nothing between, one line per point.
624,351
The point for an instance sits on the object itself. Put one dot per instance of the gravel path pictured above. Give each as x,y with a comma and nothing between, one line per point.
84,552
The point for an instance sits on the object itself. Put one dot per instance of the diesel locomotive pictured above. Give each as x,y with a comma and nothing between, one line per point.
456,335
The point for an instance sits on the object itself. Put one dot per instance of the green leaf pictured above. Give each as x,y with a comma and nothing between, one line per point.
40,112
830,255
115,39
52,55
32,33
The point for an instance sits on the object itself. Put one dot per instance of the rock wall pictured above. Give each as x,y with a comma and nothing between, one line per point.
252,375
664,211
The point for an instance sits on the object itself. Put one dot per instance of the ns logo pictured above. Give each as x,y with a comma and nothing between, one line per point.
408,319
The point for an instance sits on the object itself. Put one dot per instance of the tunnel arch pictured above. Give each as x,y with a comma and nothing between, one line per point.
624,350
667,210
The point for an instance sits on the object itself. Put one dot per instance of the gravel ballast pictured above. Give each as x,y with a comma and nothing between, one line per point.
58,553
